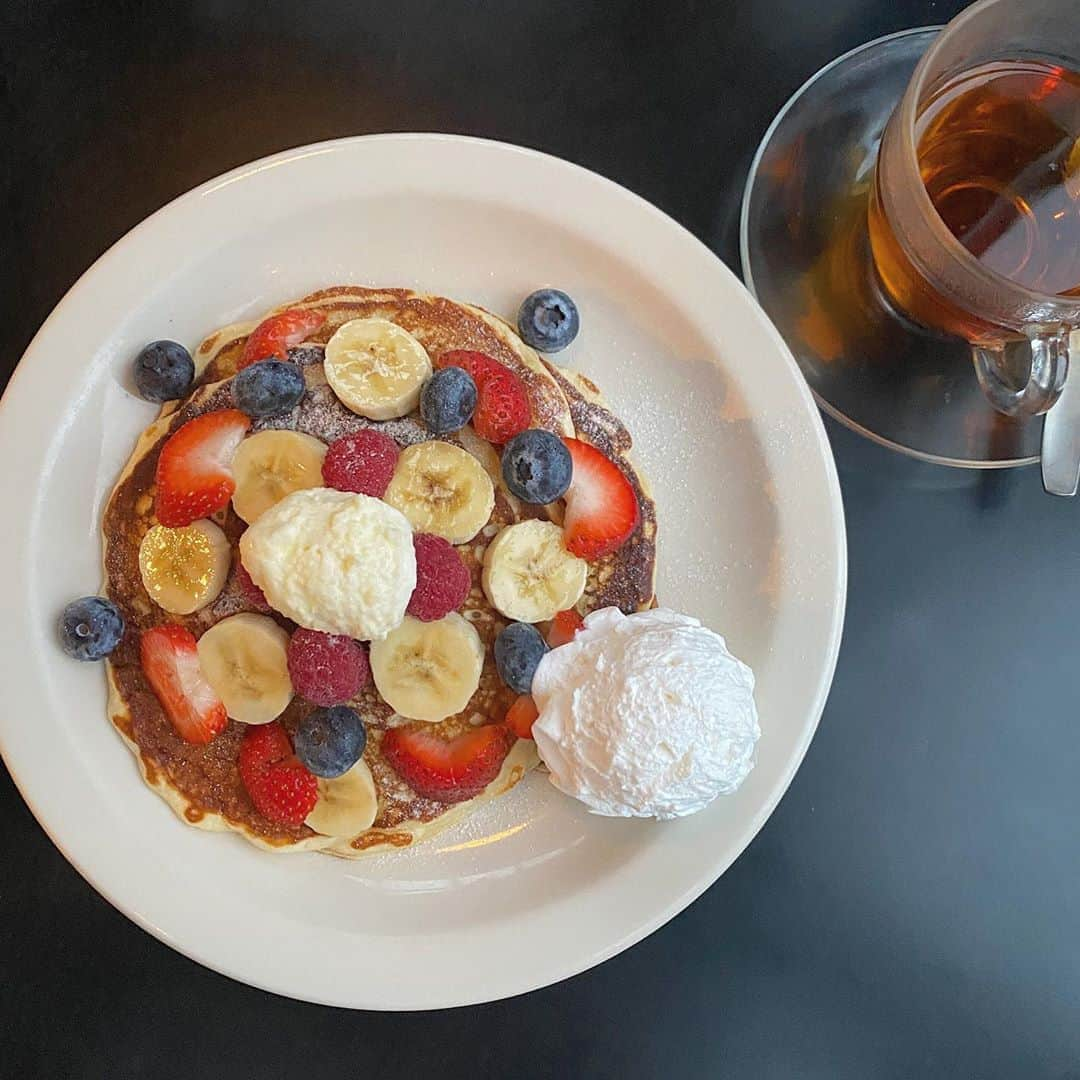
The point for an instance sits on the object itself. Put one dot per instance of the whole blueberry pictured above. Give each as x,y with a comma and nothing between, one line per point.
548,320
164,371
90,628
268,388
519,648
448,400
330,742
536,466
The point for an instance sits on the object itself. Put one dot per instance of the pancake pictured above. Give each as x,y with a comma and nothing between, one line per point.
202,783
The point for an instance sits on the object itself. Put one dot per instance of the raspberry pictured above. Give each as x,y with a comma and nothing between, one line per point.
502,408
362,462
327,669
442,579
479,366
251,592
280,787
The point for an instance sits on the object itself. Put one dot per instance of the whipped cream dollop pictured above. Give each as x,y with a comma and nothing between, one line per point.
645,715
333,561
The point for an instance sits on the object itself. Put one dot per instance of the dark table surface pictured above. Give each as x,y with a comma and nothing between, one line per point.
911,909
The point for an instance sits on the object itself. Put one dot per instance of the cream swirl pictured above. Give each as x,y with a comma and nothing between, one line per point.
645,715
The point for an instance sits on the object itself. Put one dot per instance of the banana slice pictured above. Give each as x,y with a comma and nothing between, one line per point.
528,573
442,489
428,671
272,464
184,569
347,804
376,368
243,659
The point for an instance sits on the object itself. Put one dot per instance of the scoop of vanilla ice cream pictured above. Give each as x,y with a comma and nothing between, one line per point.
333,561
645,715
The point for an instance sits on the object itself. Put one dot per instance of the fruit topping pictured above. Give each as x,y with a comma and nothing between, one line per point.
519,648
502,407
184,569
536,466
272,464
362,462
448,400
479,366
528,573
251,592
521,716
376,368
442,579
502,404
90,628
347,804
268,388
273,337
244,658
327,669
548,320
601,507
564,627
279,785
331,741
447,770
170,661
164,371
194,470
442,489
428,670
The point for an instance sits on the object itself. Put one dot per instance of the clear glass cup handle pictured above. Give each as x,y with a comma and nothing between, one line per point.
1024,378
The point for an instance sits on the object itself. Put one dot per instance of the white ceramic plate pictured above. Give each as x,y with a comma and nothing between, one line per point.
752,541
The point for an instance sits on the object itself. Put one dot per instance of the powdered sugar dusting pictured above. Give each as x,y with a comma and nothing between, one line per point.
305,355
321,414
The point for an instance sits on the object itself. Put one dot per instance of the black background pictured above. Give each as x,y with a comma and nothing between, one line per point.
911,908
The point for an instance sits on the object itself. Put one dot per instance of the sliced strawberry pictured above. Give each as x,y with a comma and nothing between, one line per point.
447,770
479,365
171,665
273,337
280,787
521,716
502,408
563,627
502,403
194,470
263,745
601,507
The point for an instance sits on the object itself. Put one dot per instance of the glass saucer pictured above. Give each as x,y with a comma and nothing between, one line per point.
806,258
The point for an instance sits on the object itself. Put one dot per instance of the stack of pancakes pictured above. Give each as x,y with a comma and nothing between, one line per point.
202,783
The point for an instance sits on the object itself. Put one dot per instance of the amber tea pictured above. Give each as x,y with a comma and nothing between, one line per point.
999,154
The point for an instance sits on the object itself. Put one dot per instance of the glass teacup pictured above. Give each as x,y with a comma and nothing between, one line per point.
975,204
